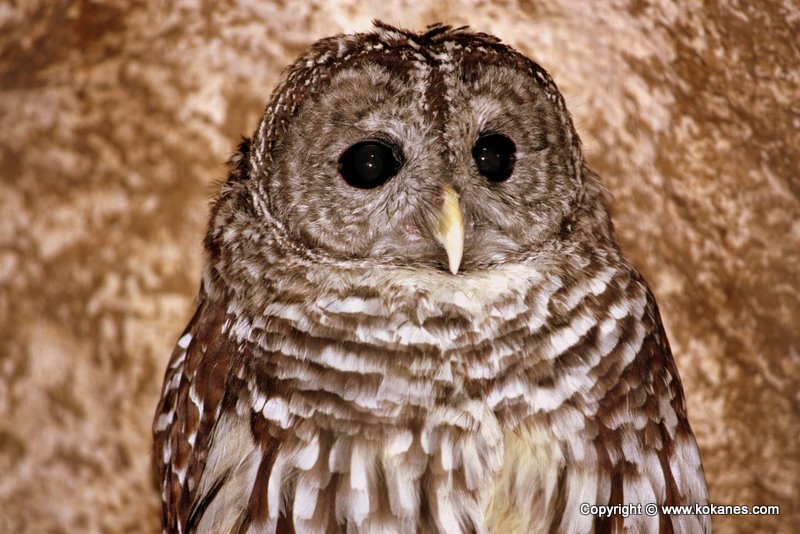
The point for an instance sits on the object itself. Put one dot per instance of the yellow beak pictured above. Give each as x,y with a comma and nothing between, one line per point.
450,230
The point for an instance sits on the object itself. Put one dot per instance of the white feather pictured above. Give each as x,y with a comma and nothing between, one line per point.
184,341
306,455
231,451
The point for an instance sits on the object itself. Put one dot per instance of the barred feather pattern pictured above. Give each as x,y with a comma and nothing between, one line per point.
367,406
312,393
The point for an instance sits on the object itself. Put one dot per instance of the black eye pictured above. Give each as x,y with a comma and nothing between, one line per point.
494,156
368,164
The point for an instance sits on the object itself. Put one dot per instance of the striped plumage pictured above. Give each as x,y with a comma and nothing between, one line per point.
337,377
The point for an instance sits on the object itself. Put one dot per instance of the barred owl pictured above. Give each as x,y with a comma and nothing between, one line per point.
415,317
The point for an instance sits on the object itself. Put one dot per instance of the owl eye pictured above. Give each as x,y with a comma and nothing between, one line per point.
494,154
368,164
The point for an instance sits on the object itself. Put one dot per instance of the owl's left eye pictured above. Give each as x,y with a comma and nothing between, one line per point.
494,155
368,164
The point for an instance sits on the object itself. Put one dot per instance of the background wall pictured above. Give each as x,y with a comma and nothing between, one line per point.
116,118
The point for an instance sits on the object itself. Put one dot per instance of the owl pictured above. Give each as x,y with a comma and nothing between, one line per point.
414,316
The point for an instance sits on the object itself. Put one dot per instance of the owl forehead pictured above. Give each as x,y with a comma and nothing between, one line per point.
433,65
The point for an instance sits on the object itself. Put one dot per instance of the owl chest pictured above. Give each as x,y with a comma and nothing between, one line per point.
432,476
358,362
376,432
378,429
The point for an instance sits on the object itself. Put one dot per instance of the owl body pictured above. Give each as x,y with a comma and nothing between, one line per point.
414,316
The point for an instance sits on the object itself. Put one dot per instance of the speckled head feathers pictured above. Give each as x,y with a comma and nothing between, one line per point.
431,96
439,46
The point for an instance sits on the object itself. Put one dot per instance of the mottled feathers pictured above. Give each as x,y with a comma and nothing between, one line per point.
339,377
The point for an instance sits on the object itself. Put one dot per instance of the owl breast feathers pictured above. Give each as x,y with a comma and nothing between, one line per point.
414,316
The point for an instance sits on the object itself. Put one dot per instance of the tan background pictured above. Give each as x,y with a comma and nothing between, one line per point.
115,122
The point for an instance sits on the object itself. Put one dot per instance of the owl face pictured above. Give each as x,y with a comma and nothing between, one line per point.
430,159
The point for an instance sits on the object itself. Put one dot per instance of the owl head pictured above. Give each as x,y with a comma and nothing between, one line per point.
442,150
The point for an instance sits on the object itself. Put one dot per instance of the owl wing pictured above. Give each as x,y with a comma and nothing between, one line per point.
624,437
646,451
187,414
211,485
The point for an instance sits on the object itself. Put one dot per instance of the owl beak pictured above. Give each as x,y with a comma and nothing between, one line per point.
450,231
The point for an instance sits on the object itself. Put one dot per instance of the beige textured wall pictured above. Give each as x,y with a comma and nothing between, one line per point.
114,125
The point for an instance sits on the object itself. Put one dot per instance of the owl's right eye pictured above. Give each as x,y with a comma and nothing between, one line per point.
368,164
